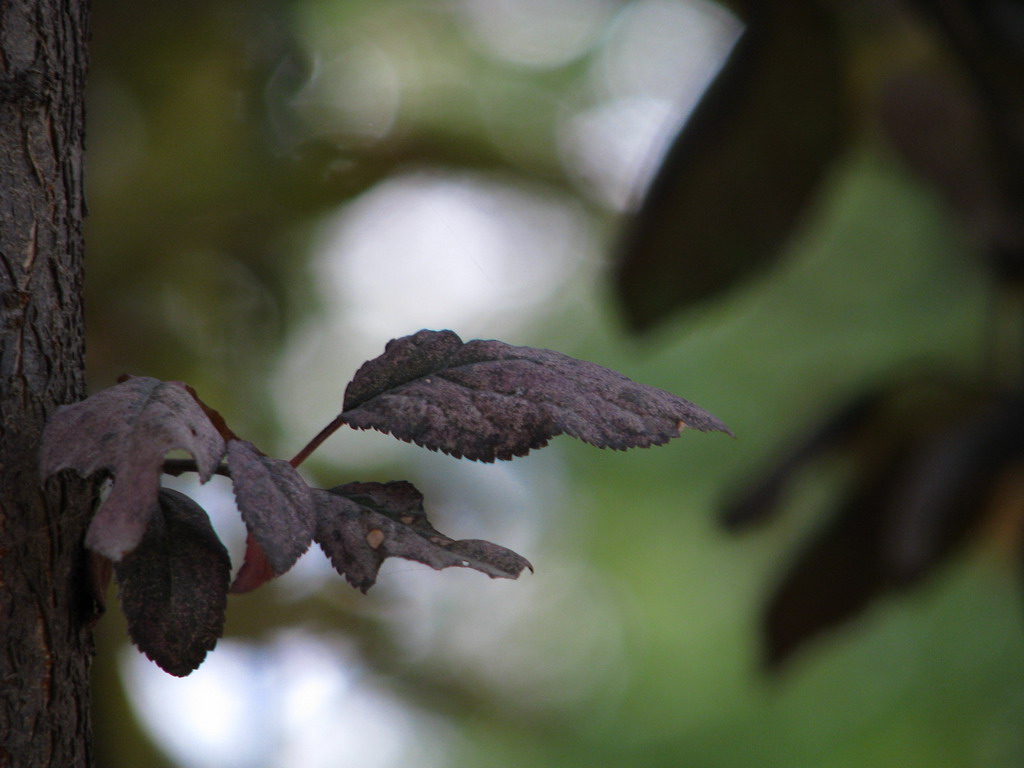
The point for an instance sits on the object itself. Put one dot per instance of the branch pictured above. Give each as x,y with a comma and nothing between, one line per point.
313,444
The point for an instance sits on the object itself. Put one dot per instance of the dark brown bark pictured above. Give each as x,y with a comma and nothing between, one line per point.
45,640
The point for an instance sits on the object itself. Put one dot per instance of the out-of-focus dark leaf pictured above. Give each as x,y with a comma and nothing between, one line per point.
489,400
277,507
941,129
361,524
947,487
987,39
924,456
837,574
742,170
126,430
988,35
174,585
759,500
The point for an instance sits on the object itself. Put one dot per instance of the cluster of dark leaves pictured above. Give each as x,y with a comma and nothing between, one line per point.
926,456
482,400
927,460
746,168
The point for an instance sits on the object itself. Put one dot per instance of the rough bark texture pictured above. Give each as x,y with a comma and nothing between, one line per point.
45,641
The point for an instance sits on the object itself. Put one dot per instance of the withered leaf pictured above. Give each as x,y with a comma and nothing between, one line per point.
488,400
174,585
361,524
126,430
277,507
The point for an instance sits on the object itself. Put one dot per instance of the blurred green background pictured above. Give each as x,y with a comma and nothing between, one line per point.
277,188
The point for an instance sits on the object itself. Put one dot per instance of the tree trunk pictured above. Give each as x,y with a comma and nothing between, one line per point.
45,602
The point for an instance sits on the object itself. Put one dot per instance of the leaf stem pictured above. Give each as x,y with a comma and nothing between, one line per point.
313,444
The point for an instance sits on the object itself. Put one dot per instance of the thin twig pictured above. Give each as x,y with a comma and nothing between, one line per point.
313,444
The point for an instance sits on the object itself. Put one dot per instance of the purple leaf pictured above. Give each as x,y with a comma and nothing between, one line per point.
174,585
489,400
127,430
361,524
277,507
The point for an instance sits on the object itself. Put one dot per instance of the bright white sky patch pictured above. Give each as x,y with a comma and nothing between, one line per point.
433,251
610,146
657,61
667,49
535,33
297,702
